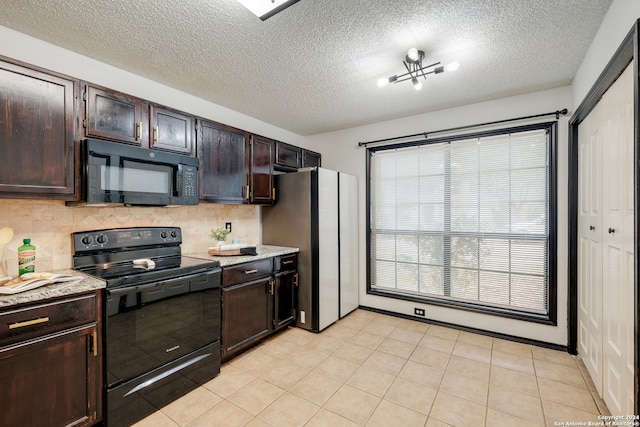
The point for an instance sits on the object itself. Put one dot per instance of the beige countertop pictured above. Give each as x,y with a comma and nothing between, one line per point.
54,290
264,251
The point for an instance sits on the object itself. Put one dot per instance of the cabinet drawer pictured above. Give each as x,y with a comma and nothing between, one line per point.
285,263
41,319
246,271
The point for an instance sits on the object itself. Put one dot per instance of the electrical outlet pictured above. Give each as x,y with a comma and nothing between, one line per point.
302,317
227,225
418,311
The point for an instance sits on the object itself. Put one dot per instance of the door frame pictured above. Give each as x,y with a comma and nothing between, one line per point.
628,52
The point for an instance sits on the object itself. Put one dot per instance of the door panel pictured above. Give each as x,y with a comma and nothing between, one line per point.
590,249
172,130
246,314
223,168
328,277
115,116
48,381
349,279
262,161
606,231
37,117
618,284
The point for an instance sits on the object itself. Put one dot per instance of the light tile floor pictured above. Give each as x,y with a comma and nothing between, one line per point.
371,369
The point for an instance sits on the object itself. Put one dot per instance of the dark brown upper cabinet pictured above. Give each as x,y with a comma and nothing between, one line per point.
123,118
115,116
37,132
311,158
235,167
172,130
288,157
223,163
261,171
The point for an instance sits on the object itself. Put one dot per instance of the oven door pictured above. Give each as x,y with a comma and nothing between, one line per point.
150,325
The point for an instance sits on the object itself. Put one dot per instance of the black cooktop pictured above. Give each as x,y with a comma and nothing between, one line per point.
134,256
132,276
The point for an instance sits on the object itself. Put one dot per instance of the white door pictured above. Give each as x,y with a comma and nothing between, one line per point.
618,251
328,276
590,245
349,276
606,245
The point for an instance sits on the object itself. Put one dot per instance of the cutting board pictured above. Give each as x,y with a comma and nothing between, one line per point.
227,252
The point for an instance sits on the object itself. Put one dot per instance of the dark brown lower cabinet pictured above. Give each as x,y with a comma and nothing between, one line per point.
44,382
53,377
258,299
283,299
246,315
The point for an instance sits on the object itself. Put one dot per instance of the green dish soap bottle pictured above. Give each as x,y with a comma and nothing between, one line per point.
26,257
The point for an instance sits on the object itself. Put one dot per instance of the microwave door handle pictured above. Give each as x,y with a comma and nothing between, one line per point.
177,189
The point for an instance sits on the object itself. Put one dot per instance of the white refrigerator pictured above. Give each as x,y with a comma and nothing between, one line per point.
317,211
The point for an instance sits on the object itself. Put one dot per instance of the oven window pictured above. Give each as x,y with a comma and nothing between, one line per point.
136,177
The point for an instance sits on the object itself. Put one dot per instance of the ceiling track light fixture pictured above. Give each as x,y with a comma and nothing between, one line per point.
415,70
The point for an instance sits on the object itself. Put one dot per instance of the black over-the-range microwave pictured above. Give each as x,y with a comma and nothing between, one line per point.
119,173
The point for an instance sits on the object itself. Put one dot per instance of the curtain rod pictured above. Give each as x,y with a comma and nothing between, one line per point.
557,113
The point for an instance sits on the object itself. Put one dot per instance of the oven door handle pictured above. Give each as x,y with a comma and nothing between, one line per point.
131,289
144,263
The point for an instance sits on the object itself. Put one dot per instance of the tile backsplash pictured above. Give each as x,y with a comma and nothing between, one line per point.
49,225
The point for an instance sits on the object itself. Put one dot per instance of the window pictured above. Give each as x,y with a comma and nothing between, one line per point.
467,222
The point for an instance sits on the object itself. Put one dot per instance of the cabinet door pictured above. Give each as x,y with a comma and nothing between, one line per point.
222,154
246,315
311,158
37,133
115,116
288,156
283,300
51,381
171,130
262,150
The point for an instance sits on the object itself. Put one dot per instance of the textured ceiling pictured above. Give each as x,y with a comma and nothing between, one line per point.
313,67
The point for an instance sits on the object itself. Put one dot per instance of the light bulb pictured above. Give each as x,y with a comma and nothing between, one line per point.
416,84
453,66
382,82
413,54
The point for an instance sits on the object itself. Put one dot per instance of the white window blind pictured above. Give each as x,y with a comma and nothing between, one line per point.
464,221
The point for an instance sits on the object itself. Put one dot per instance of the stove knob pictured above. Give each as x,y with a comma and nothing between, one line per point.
163,234
174,234
102,239
87,240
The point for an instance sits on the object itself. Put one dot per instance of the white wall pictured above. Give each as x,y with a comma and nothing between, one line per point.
37,52
340,152
621,16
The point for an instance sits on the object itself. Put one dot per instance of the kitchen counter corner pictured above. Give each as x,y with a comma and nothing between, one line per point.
264,251
54,290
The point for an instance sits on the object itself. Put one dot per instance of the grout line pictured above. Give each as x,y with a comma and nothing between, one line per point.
256,351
